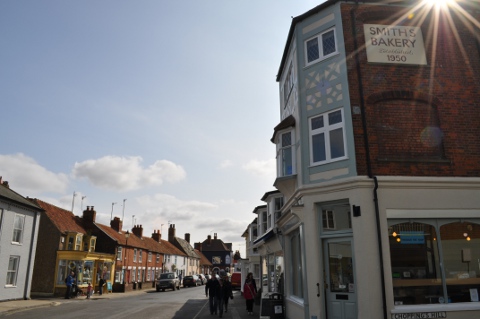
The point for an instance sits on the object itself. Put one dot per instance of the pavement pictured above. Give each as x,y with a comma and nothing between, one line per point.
236,308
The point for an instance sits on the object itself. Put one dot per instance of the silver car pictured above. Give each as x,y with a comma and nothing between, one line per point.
168,280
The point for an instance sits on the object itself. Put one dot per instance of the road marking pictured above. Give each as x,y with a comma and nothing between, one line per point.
198,313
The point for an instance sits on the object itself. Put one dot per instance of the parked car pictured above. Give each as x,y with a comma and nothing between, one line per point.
236,280
191,281
202,278
168,280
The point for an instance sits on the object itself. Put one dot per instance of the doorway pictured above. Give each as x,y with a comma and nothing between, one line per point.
340,287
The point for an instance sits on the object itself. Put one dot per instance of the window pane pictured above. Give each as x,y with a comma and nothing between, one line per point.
317,122
415,264
461,256
336,218
18,228
287,166
287,139
12,270
336,143
335,117
312,50
328,41
318,147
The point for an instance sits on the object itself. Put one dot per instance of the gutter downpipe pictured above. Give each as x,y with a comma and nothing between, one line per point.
369,167
28,277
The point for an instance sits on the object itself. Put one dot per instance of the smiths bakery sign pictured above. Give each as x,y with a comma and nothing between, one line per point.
394,44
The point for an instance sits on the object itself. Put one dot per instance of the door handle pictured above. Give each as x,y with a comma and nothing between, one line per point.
318,289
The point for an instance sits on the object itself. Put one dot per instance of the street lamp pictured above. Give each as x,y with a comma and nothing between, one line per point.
127,234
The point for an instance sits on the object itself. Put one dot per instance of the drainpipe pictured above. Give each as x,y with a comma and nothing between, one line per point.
368,160
28,277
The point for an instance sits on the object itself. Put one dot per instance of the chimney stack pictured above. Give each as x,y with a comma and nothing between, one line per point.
171,233
215,236
116,224
138,230
187,237
209,239
198,246
156,235
89,214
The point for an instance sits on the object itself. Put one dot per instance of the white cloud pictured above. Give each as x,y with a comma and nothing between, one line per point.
29,178
226,164
168,207
126,173
262,168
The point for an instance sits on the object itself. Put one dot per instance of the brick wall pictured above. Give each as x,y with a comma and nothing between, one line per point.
420,120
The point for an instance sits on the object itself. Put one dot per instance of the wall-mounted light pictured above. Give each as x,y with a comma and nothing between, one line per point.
356,211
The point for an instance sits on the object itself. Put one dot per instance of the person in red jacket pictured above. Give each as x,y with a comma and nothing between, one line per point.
249,292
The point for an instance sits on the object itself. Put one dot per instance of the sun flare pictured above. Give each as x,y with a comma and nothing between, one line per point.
438,3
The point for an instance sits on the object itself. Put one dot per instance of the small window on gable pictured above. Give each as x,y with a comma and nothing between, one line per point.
321,46
78,242
93,242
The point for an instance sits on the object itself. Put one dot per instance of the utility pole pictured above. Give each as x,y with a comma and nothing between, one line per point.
123,212
111,214
73,200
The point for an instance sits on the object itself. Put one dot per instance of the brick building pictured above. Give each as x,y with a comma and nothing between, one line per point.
378,159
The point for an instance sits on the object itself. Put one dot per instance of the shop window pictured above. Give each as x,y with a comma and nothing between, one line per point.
87,274
417,249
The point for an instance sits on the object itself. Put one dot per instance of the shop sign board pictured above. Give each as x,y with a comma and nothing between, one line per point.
394,44
420,315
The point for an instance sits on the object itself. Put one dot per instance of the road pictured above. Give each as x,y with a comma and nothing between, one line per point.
181,304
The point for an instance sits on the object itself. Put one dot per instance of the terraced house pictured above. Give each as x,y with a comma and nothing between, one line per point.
378,160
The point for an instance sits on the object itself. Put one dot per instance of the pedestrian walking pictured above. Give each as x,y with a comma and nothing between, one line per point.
227,292
249,292
211,291
69,282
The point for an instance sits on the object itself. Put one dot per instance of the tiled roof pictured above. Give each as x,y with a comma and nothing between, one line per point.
215,245
64,220
186,247
148,243
203,260
119,236
10,195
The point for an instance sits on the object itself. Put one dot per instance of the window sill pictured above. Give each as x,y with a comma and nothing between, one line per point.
464,306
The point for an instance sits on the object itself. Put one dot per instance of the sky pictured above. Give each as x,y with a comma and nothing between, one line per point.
157,112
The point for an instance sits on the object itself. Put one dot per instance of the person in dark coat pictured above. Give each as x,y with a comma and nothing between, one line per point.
101,283
69,282
211,291
227,292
